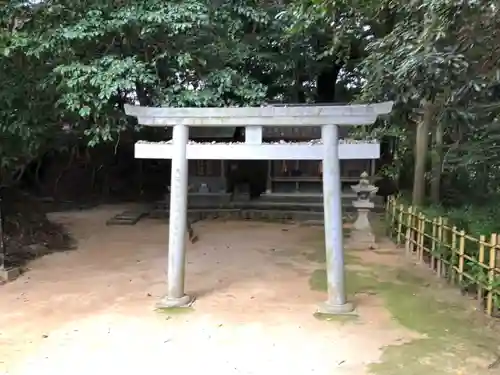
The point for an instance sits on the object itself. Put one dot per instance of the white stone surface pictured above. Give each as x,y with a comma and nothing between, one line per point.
253,135
266,151
344,120
253,114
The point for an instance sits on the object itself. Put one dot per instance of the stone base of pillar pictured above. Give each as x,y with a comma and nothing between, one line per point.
361,240
168,302
326,308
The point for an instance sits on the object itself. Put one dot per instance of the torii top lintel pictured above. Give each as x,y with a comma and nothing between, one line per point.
358,114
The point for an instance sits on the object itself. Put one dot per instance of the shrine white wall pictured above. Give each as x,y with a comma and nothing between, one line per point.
163,150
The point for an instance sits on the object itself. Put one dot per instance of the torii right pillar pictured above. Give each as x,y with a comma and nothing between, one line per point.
336,304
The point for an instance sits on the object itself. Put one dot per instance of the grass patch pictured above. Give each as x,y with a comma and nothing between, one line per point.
455,341
379,227
319,254
356,281
453,338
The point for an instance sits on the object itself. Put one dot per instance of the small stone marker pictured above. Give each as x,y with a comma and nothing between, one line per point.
193,238
9,274
126,218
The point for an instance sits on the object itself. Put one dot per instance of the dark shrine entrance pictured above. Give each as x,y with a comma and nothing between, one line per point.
271,176
245,176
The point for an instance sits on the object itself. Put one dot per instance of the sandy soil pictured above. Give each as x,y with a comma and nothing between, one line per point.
91,310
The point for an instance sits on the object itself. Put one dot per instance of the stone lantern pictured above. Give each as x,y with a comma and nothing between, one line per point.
362,236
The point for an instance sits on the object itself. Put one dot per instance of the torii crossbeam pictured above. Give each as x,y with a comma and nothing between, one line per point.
328,149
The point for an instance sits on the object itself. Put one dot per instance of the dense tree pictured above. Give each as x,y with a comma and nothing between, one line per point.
67,68
440,63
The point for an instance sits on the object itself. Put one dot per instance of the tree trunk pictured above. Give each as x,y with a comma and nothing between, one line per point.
326,84
437,163
421,148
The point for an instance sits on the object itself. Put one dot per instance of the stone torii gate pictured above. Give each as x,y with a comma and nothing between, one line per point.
328,149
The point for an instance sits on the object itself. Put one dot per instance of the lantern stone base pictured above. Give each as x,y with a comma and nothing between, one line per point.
361,240
362,222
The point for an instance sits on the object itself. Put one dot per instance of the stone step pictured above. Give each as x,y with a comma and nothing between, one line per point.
315,218
244,205
221,199
268,206
250,214
310,198
127,217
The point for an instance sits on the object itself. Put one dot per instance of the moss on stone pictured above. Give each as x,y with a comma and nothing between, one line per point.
171,311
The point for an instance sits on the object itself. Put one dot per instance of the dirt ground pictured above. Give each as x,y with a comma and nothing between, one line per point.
92,310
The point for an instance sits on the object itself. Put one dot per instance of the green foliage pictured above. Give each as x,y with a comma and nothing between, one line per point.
71,66
474,219
447,53
439,51
445,243
340,30
67,69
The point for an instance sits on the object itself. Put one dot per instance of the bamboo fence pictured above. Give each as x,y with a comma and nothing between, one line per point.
469,262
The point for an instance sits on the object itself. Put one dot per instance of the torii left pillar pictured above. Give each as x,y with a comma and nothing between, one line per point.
176,268
336,304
